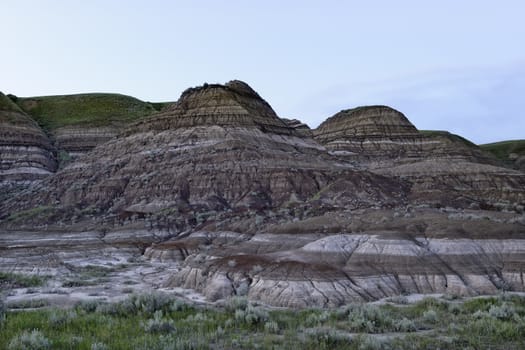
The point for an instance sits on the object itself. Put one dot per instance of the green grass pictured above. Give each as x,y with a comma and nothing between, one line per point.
158,321
96,109
503,149
447,135
159,106
18,280
7,105
12,114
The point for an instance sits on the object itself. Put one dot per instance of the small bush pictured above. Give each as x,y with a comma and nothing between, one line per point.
99,346
371,343
149,303
88,305
370,318
33,340
406,325
431,303
454,308
59,318
158,324
236,303
316,319
328,337
271,327
251,316
505,311
179,305
197,318
430,316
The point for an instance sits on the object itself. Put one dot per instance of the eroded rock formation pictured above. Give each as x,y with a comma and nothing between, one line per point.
241,202
26,153
443,168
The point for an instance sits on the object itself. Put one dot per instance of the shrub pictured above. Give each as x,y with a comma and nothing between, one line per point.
430,316
197,318
158,324
505,311
33,340
179,305
251,316
454,308
237,303
316,319
87,305
406,325
99,346
370,318
271,327
328,336
144,303
431,303
59,318
371,343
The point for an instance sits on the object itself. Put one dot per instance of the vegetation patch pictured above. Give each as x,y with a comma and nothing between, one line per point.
97,109
160,321
503,150
10,280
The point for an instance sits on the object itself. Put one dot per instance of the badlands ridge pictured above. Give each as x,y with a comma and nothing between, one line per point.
230,199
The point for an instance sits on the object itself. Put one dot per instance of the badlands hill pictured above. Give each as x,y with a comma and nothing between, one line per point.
77,123
510,152
237,201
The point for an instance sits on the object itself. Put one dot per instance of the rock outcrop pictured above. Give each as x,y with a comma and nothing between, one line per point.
368,256
445,169
299,126
219,148
372,131
26,153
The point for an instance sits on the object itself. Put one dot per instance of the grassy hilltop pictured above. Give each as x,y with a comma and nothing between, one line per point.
504,149
94,109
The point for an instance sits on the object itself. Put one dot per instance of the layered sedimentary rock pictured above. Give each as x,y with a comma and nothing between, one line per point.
372,131
371,255
219,148
238,201
380,133
26,153
233,104
444,168
299,126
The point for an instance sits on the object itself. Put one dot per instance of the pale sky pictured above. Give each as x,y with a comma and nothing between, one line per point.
447,65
